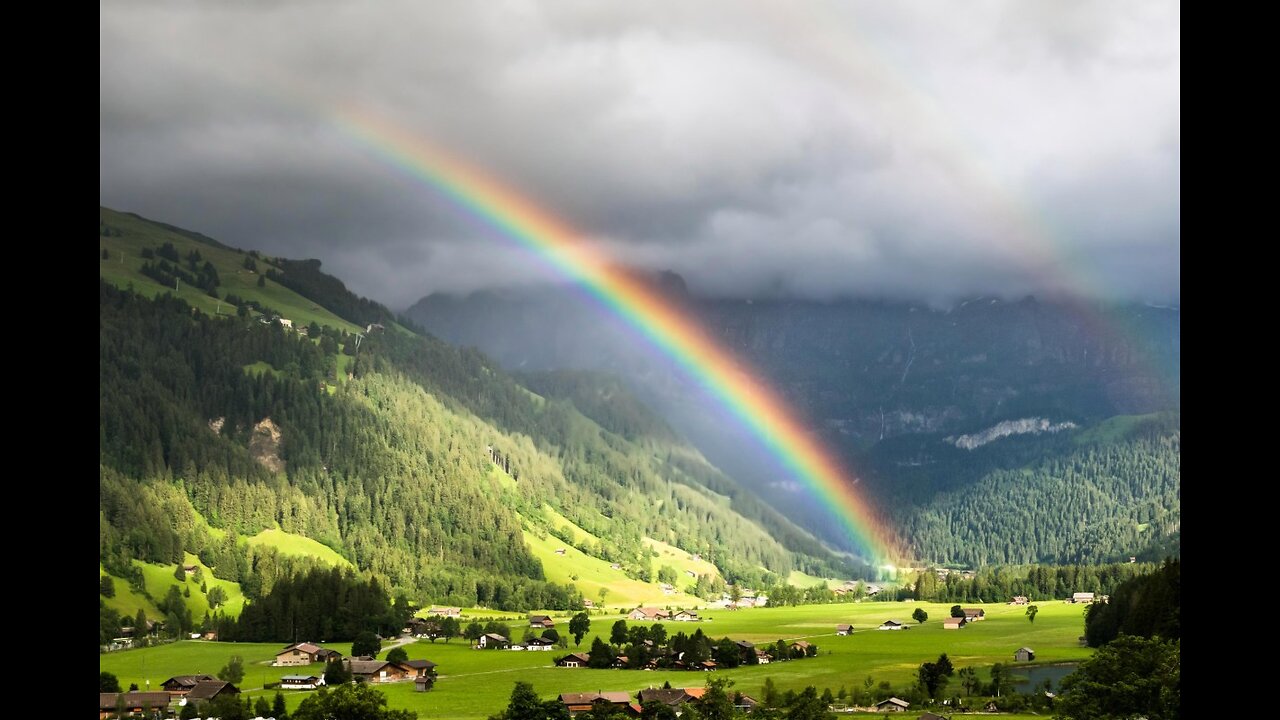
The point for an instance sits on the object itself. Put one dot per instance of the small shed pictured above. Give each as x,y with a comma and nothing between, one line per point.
1024,654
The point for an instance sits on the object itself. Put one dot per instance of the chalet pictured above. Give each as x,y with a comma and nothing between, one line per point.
1024,654
189,568
745,703
304,654
584,702
539,644
801,645
705,666
649,613
424,683
452,612
665,696
492,640
541,621
620,662
377,671
182,684
286,322
134,702
762,657
1019,600
418,668
210,689
892,625
573,660
974,614
301,682
1082,597
685,616
953,623
844,629
893,704
746,649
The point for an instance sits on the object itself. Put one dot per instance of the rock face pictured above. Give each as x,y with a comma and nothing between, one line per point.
1003,429
264,445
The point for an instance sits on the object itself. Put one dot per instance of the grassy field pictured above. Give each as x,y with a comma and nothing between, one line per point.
474,684
591,573
297,545
682,561
157,580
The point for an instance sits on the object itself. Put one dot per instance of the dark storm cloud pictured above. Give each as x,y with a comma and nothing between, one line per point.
818,149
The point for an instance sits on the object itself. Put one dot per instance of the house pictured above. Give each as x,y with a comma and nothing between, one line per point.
586,603
953,623
304,654
1019,600
133,701
539,644
573,660
665,696
210,689
418,668
746,649
873,590
584,702
541,621
492,640
377,671
667,588
648,613
974,614
705,666
1024,654
892,625
844,629
745,703
452,612
801,645
301,682
1082,597
893,704
685,616
189,569
620,662
424,683
615,566
182,684
691,573
990,707
762,657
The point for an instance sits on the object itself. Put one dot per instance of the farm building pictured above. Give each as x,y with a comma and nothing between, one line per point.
491,641
953,623
304,654
182,684
892,625
648,613
1082,597
893,704
844,629
1024,654
974,614
541,621
133,702
573,660
301,682
1019,600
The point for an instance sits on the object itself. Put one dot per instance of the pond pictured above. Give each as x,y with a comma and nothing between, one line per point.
1030,677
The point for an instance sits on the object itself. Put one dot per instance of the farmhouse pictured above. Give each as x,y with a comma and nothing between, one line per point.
304,654
648,613
210,689
953,623
377,671
573,660
685,616
1082,597
583,702
586,603
182,684
802,646
539,644
1019,600
762,657
446,611
974,614
892,625
541,621
133,701
492,640
301,682
893,704
1024,654
666,696
844,629
746,649
418,668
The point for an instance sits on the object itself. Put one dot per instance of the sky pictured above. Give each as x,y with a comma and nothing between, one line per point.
915,150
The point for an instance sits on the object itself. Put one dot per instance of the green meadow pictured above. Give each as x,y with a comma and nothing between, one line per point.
476,683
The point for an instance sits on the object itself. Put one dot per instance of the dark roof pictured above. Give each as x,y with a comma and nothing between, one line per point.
367,667
497,637
419,664
107,701
580,657
207,689
974,611
893,701
669,696
744,644
540,641
187,681
298,678
617,698
539,618
844,627
931,716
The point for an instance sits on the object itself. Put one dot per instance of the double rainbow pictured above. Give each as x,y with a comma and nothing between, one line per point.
759,408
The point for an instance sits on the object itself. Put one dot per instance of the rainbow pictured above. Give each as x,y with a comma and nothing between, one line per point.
759,408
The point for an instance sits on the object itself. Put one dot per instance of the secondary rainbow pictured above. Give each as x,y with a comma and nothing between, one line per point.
756,405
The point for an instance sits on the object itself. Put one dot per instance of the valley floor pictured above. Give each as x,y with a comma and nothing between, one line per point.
473,684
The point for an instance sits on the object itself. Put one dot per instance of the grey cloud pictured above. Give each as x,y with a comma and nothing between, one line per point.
824,149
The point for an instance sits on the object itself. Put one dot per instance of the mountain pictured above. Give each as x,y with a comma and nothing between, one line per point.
898,390
258,417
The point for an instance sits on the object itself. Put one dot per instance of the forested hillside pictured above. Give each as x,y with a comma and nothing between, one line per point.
419,462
